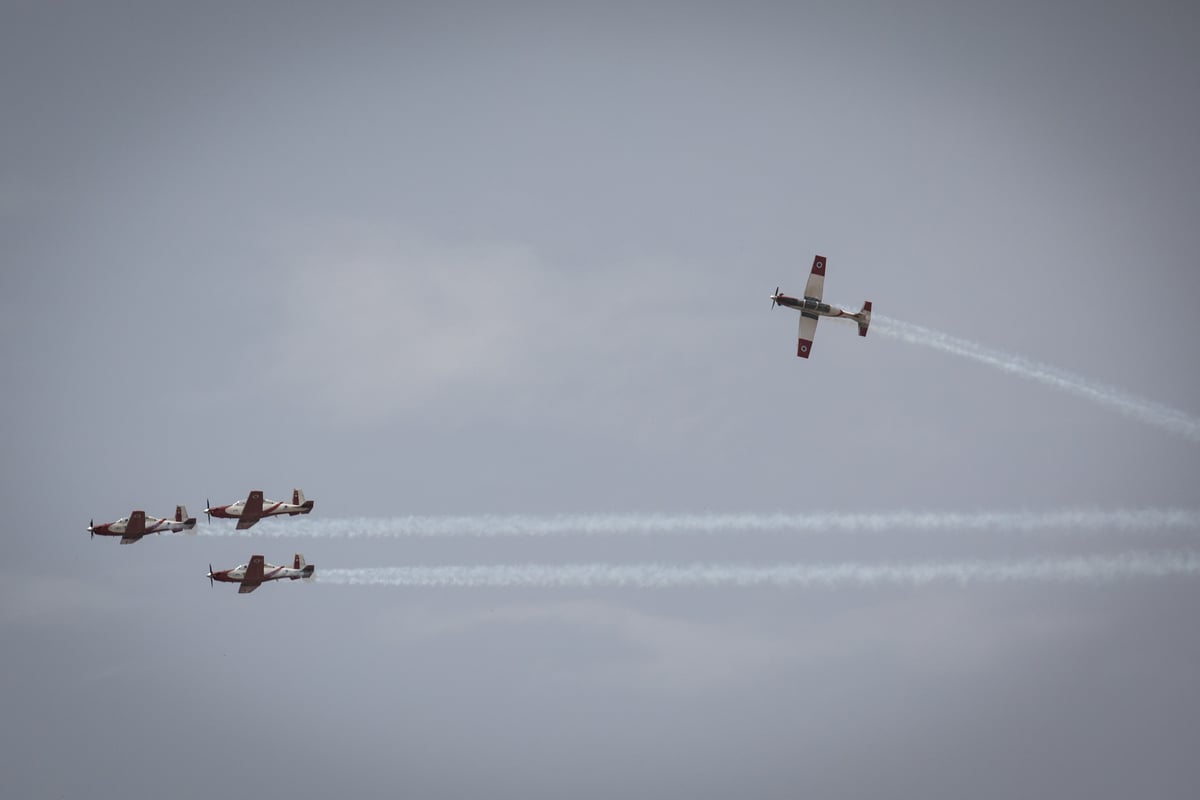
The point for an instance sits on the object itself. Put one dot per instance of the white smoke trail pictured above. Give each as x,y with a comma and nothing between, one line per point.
1138,408
1079,569
486,525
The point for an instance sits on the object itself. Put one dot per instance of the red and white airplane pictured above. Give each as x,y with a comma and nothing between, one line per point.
253,508
137,525
812,309
258,571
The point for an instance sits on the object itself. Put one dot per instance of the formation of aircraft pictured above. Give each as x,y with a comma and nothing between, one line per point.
258,572
246,512
811,308
137,525
249,511
254,507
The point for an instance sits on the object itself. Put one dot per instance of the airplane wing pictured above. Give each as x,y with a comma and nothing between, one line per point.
816,279
251,511
808,329
254,575
136,527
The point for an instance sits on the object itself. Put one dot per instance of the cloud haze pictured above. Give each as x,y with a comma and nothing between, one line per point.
490,283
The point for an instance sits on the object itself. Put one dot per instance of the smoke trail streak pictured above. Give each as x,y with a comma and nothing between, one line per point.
489,526
1081,569
1138,408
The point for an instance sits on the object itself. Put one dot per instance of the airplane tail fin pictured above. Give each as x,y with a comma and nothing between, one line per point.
302,565
181,516
298,500
864,318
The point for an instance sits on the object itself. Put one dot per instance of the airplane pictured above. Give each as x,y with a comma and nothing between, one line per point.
257,572
137,525
254,507
812,309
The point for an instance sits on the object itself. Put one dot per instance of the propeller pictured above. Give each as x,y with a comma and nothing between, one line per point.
210,577
208,510
774,297
92,527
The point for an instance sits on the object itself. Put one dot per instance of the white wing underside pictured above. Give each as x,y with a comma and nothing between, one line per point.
815,286
808,327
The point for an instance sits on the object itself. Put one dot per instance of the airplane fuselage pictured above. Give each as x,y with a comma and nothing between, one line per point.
258,572
807,305
271,508
160,525
270,573
249,511
152,525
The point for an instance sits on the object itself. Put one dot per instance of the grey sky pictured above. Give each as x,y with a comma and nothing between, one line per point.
457,259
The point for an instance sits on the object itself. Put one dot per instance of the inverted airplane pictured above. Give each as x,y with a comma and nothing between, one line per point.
258,572
137,525
254,507
812,309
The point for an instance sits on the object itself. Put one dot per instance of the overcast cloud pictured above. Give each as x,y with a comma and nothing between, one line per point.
457,259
